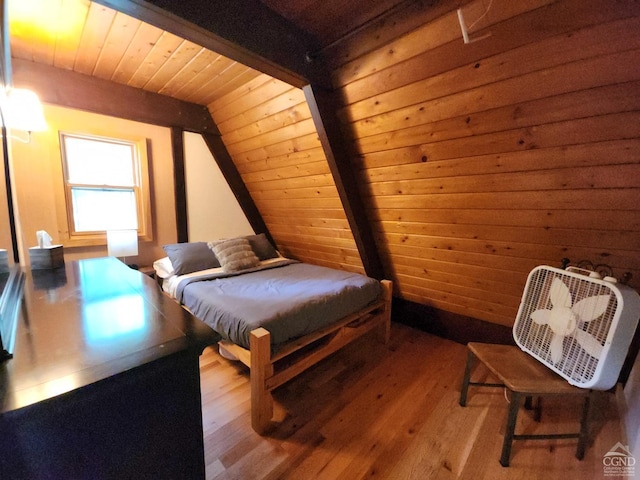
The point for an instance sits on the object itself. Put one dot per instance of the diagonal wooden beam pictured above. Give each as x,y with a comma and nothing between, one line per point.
324,104
233,178
246,31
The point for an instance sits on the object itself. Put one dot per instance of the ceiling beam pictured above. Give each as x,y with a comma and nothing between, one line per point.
323,105
91,94
246,31
180,185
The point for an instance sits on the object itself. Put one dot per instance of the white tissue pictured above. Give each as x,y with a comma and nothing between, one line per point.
44,239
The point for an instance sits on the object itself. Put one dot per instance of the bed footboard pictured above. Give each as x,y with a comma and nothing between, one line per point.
269,371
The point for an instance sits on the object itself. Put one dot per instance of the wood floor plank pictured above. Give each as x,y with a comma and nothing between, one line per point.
390,412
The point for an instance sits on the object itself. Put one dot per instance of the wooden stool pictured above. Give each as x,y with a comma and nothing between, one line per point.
525,377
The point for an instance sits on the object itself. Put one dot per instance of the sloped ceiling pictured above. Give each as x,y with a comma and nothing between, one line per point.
89,38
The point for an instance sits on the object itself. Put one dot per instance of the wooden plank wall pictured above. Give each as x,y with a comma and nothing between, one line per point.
481,161
267,128
477,162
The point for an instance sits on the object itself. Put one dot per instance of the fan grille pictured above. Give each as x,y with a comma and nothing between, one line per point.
576,363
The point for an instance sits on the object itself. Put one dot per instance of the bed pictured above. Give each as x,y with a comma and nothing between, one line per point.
276,315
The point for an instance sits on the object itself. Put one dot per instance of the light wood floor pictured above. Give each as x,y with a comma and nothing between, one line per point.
390,412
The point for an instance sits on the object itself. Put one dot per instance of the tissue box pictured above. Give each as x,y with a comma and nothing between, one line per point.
46,257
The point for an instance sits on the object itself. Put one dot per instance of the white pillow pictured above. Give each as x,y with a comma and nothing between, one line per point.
163,267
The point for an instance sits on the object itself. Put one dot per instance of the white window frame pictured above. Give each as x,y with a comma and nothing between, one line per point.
140,189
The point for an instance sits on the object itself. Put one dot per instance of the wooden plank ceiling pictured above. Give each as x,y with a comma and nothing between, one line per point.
94,40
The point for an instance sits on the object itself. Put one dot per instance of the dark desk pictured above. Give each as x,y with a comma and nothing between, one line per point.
104,382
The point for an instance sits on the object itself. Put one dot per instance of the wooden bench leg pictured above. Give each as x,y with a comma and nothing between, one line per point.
584,426
261,370
509,433
537,408
537,414
466,379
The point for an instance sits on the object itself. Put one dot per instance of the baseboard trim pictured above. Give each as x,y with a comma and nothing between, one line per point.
459,328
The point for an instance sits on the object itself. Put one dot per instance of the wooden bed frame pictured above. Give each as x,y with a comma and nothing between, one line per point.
270,370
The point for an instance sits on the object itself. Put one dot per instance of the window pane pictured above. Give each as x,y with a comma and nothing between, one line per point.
103,209
99,162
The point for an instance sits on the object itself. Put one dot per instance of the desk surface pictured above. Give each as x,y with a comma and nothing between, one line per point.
87,321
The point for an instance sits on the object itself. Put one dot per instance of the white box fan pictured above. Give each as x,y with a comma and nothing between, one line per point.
578,325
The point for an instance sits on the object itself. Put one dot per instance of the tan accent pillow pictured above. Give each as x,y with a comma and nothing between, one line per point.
234,254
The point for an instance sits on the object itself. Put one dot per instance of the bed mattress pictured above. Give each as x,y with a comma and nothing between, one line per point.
290,300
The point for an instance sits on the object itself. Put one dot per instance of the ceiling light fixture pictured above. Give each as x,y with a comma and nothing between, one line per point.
21,110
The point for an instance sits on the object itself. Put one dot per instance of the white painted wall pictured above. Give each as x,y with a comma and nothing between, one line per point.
212,210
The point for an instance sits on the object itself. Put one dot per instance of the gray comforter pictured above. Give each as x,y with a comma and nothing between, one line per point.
289,301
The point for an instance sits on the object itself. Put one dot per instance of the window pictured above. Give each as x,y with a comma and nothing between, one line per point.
105,183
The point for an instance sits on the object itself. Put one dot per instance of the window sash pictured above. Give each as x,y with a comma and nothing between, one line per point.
88,222
100,209
98,161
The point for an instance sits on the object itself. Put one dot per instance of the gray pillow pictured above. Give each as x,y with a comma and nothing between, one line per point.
261,246
235,254
190,257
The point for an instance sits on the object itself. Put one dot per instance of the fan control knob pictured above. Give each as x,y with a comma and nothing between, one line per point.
610,279
595,275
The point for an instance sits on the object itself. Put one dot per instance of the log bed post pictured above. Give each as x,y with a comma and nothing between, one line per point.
261,370
385,331
261,362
